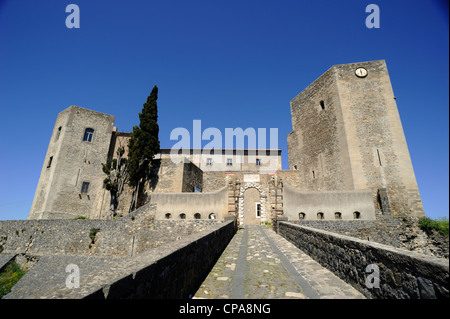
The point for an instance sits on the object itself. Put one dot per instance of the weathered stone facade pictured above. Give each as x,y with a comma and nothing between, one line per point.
74,158
349,199
400,274
347,135
347,155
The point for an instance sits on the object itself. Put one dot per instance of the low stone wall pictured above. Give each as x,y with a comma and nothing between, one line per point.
190,204
328,203
398,231
177,272
402,274
126,236
174,269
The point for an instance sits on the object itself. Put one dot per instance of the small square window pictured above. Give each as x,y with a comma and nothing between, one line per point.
85,188
229,162
209,162
88,133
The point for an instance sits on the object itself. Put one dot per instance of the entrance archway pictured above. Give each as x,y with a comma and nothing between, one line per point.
251,204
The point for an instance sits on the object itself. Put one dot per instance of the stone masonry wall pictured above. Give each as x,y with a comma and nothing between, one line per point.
402,274
126,236
401,232
172,270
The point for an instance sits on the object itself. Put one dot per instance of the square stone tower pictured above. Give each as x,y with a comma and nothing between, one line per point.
347,135
71,181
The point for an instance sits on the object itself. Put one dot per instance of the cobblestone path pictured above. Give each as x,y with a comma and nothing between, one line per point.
260,264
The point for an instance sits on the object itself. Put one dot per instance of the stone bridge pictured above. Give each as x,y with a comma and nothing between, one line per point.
138,257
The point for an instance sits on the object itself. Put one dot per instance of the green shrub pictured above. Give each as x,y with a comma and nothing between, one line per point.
9,277
441,224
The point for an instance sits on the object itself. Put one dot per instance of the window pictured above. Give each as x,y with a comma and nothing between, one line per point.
337,215
229,162
58,133
88,133
322,105
356,215
258,162
258,209
197,216
182,216
168,216
85,188
209,162
212,216
314,174
50,161
319,215
301,216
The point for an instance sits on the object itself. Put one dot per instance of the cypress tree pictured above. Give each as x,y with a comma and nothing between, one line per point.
143,144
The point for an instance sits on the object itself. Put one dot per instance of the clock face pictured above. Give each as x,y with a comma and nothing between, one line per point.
361,72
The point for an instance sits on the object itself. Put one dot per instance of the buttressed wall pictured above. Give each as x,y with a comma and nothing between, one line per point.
347,135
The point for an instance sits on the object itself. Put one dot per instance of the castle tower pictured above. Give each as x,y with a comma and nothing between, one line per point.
347,135
71,180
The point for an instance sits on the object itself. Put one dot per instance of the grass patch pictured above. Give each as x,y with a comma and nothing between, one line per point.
440,224
9,277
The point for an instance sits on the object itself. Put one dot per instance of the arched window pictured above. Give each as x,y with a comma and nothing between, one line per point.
356,215
212,216
168,216
197,216
319,215
88,133
182,216
301,216
337,215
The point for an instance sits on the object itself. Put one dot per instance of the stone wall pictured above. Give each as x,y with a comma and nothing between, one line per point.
74,161
328,204
177,272
376,142
402,274
173,205
401,232
347,135
317,146
126,236
172,270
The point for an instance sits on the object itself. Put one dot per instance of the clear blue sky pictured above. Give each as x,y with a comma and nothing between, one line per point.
233,63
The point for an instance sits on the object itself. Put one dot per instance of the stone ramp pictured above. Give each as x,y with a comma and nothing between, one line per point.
260,264
169,271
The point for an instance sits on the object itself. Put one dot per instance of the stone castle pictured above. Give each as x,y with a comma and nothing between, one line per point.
349,201
348,157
